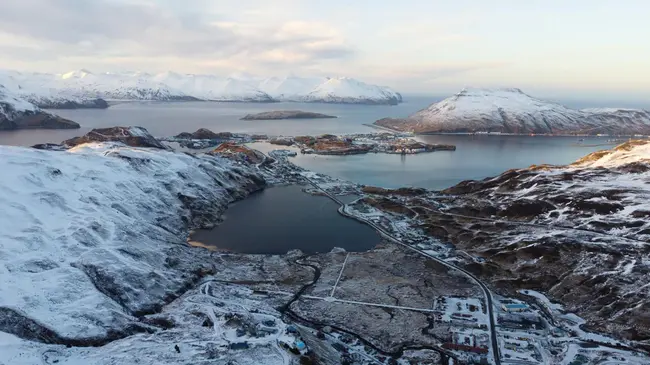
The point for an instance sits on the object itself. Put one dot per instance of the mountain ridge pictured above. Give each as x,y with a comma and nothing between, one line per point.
167,86
511,111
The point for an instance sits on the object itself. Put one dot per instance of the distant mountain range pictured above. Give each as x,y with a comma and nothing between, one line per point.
83,88
514,112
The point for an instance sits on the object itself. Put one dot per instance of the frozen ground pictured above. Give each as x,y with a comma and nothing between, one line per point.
204,326
94,236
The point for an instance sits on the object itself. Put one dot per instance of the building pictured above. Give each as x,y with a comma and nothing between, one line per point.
514,307
239,346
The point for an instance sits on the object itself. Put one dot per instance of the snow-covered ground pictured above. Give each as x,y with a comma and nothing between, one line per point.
632,152
206,325
92,236
83,85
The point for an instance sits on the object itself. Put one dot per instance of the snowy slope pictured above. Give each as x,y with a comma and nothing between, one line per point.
513,111
636,151
207,87
585,238
92,236
290,88
351,91
84,85
43,91
11,104
18,113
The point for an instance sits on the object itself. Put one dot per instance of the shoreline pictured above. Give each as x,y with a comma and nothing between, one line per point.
493,134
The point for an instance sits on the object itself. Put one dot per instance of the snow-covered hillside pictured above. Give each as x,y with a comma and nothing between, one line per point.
513,111
579,233
83,85
41,90
94,236
18,113
632,152
342,90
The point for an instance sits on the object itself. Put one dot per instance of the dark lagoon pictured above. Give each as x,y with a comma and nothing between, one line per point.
284,218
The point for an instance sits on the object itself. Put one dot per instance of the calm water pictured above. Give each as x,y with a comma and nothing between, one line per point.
288,219
167,119
476,157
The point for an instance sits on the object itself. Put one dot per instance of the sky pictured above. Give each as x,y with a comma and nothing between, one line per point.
597,48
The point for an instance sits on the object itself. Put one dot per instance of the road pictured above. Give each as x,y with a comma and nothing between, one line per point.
484,288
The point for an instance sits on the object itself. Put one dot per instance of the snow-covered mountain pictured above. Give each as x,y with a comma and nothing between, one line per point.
83,85
18,113
513,111
578,233
341,90
94,237
40,89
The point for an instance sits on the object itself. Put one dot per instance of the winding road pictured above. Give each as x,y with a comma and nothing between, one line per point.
486,291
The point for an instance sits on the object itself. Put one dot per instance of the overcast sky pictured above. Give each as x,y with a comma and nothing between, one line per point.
423,46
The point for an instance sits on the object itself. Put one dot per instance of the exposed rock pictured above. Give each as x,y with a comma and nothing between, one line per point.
204,133
18,113
281,141
400,191
71,104
286,114
130,136
35,120
238,152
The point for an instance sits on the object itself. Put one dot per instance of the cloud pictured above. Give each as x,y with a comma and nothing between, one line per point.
104,30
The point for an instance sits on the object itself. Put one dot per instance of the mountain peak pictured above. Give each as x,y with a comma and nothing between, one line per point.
78,74
510,110
487,91
239,86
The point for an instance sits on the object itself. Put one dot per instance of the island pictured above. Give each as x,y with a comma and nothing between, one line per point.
354,144
325,144
286,114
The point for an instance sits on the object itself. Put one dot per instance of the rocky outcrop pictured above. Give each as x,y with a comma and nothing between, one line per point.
204,133
130,136
286,114
399,192
71,104
33,120
578,233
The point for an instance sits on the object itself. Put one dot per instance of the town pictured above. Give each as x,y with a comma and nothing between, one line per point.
461,319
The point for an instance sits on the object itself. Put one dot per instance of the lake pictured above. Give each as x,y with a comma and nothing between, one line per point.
283,218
